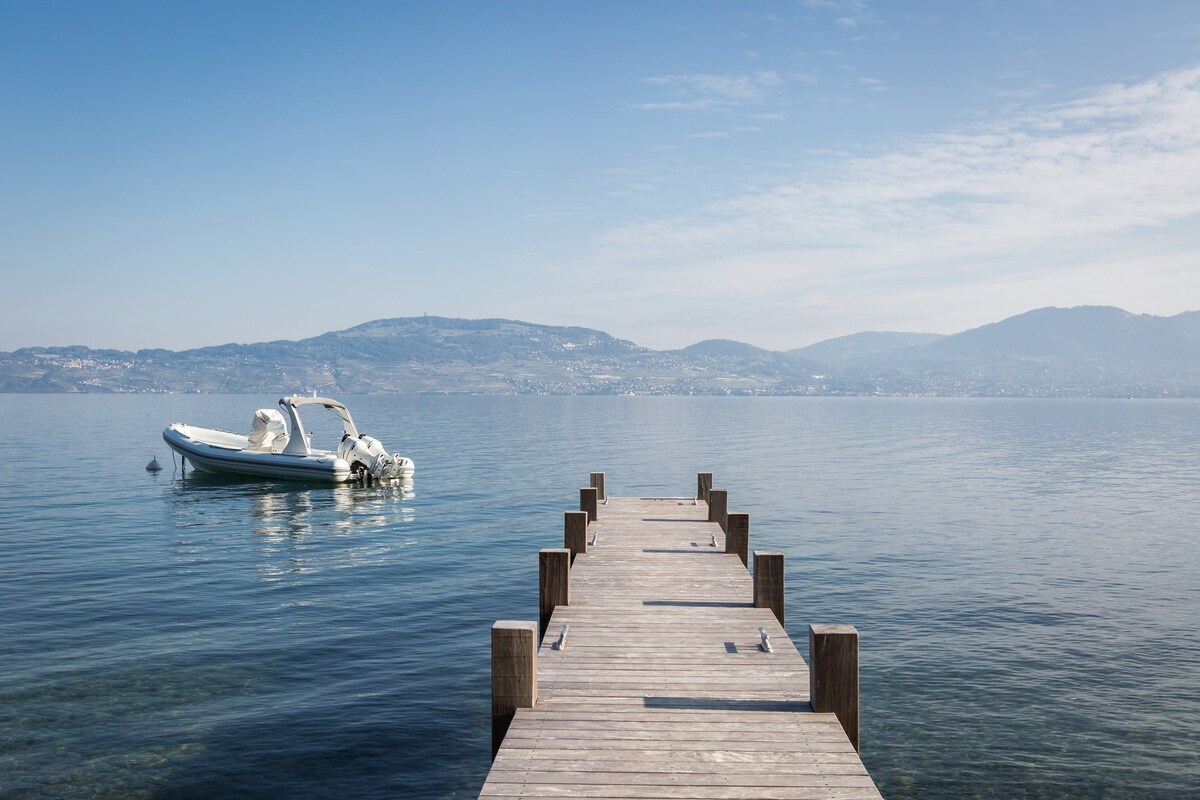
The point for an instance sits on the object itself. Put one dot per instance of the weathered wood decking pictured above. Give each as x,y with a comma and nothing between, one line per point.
662,690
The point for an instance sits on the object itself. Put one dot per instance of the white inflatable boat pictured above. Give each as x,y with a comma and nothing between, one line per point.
279,447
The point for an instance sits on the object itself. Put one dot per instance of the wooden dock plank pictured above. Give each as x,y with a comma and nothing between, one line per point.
625,791
662,690
637,782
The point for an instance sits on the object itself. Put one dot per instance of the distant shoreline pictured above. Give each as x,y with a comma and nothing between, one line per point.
1049,352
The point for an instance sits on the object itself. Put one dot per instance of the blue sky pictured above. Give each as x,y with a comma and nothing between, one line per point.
182,174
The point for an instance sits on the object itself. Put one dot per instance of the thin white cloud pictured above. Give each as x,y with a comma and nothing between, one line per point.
1025,92
705,104
847,13
1121,156
709,92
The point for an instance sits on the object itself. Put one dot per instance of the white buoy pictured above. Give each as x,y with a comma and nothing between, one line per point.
154,466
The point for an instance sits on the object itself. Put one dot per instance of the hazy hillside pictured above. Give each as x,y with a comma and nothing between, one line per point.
734,358
1086,351
1090,332
1089,350
724,348
859,348
411,354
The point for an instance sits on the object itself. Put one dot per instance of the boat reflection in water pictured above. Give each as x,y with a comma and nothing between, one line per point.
343,508
283,530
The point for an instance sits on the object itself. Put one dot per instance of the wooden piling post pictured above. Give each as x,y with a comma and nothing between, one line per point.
703,485
768,581
833,674
737,536
575,532
598,485
514,674
588,501
554,582
718,504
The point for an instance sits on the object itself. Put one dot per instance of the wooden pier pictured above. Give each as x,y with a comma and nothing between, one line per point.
665,670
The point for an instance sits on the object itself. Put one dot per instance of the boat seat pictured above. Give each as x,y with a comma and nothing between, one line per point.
271,443
268,432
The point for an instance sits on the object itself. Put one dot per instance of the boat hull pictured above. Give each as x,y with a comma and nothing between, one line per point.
218,451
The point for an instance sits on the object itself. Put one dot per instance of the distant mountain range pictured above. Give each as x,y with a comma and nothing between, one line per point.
1077,352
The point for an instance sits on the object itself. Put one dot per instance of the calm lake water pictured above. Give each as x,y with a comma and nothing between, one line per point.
1025,576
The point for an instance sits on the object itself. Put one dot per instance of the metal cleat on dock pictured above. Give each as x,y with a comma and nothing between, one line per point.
561,644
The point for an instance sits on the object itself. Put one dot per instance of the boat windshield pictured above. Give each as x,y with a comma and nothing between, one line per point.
312,425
